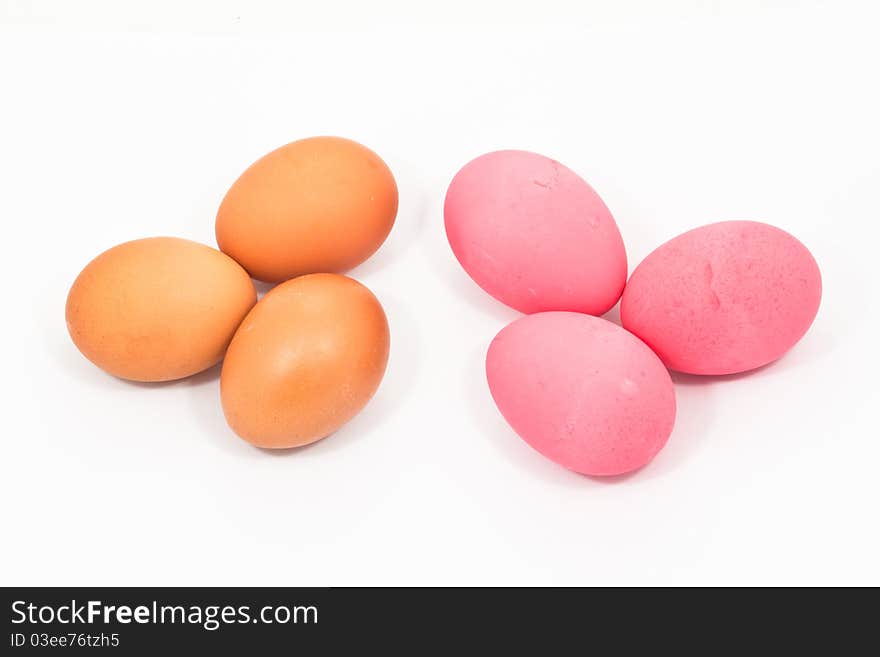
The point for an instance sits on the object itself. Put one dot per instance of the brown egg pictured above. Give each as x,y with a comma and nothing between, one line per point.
304,361
158,309
323,204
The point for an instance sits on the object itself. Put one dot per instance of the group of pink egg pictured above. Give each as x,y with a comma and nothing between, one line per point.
720,299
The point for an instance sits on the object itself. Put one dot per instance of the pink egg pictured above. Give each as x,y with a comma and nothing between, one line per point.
723,298
534,235
581,391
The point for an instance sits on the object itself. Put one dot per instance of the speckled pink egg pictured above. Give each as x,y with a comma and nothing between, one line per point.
534,235
581,391
723,298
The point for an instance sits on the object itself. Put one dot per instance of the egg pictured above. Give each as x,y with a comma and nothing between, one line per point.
581,391
723,298
534,235
323,204
305,361
158,309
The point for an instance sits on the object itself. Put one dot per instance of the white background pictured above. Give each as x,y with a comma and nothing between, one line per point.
124,120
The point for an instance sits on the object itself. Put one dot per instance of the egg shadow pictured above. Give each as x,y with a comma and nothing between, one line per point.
210,375
408,226
682,379
465,288
77,367
613,315
695,403
808,351
262,287
444,263
204,401
48,315
202,388
695,400
695,408
694,412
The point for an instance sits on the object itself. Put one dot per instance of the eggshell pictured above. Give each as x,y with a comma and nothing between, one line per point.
323,204
581,391
723,298
534,235
305,361
158,309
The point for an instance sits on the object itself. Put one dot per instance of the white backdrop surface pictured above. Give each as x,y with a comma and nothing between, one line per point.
126,120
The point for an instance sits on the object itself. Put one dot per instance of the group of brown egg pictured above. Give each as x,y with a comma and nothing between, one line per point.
300,362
